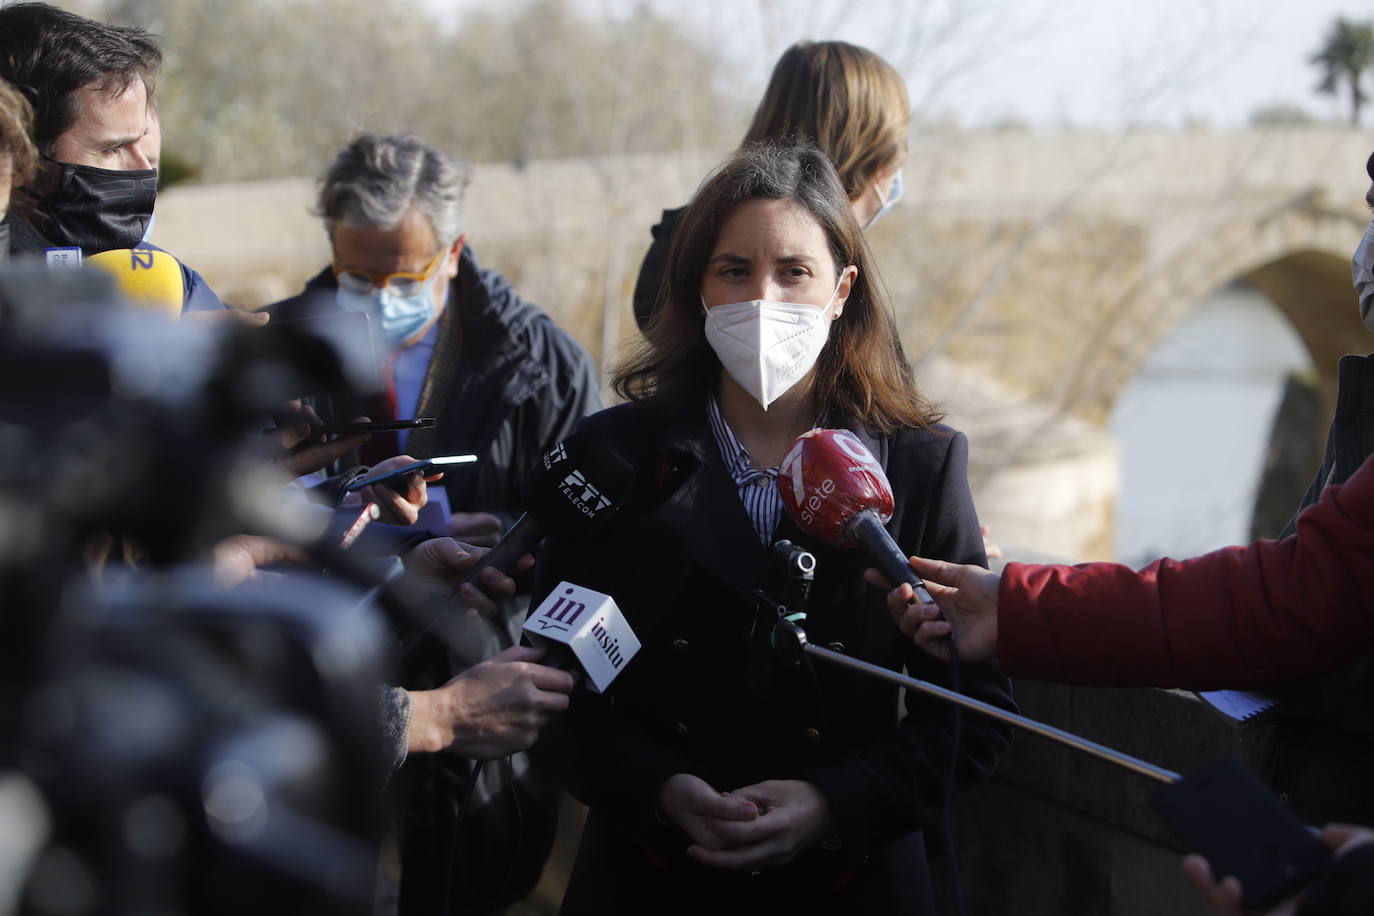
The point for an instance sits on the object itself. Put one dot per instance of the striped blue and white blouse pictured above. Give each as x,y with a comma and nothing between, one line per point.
758,489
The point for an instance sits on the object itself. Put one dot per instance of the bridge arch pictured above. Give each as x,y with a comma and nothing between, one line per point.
1299,257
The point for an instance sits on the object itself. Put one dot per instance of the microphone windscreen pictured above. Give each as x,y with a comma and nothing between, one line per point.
577,486
147,277
827,478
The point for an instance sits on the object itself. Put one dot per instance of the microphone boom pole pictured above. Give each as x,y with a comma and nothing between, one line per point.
1222,811
836,490
792,642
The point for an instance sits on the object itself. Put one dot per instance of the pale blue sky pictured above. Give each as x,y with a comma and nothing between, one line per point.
1047,62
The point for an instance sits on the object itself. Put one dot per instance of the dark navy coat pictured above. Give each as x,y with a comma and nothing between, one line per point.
703,696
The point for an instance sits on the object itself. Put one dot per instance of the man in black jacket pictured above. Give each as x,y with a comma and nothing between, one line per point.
506,384
90,86
504,381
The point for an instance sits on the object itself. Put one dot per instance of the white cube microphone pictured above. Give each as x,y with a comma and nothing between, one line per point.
590,625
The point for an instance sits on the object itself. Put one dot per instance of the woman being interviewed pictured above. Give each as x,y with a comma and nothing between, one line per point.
714,774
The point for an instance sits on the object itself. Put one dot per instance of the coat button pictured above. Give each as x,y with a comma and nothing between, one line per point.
835,646
681,729
680,644
812,734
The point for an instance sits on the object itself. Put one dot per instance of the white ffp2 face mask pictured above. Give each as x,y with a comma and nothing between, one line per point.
1362,273
766,346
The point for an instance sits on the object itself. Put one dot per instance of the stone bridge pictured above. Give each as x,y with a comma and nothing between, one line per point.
1031,273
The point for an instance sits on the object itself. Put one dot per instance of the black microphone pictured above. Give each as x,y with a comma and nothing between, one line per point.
574,490
784,593
577,487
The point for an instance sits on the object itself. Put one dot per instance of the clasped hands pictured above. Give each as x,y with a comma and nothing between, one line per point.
767,823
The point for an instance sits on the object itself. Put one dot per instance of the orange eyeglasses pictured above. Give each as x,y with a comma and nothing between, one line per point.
402,283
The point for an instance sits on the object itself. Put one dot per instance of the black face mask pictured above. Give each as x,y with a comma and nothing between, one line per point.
99,209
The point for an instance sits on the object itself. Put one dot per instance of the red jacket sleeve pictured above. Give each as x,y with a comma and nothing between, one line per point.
1239,617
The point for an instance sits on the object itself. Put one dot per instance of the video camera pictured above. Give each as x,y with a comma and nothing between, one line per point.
167,746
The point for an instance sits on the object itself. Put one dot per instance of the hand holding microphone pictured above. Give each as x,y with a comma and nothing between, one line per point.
577,487
584,629
480,528
834,489
445,562
492,709
151,279
966,594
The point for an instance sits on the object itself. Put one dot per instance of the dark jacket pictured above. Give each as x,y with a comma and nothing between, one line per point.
505,382
25,240
1351,437
1324,738
654,266
704,697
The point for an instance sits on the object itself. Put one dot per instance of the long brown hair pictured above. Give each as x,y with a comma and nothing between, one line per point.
861,373
16,141
845,99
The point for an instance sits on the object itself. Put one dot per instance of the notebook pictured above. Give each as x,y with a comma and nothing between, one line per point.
1244,707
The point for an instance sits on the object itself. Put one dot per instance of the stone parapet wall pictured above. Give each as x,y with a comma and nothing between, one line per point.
1059,833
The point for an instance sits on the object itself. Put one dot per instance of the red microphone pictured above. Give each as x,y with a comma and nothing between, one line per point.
835,490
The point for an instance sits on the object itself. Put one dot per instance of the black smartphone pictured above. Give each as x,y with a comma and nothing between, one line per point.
318,433
402,471
1225,813
376,426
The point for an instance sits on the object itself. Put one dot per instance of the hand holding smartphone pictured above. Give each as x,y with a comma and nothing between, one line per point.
317,433
1224,813
393,477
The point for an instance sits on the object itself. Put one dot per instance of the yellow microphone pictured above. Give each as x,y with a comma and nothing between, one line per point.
147,277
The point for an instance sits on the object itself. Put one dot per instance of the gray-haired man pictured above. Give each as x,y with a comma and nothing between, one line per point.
505,382
507,385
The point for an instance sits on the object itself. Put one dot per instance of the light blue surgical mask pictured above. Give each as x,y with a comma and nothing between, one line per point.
893,195
397,317
1362,272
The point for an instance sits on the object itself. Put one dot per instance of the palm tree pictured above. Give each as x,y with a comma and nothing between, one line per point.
1347,53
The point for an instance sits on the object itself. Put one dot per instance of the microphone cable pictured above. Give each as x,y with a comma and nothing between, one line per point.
519,824
951,777
456,845
792,581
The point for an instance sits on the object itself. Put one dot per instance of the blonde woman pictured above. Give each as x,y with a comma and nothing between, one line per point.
17,154
843,98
